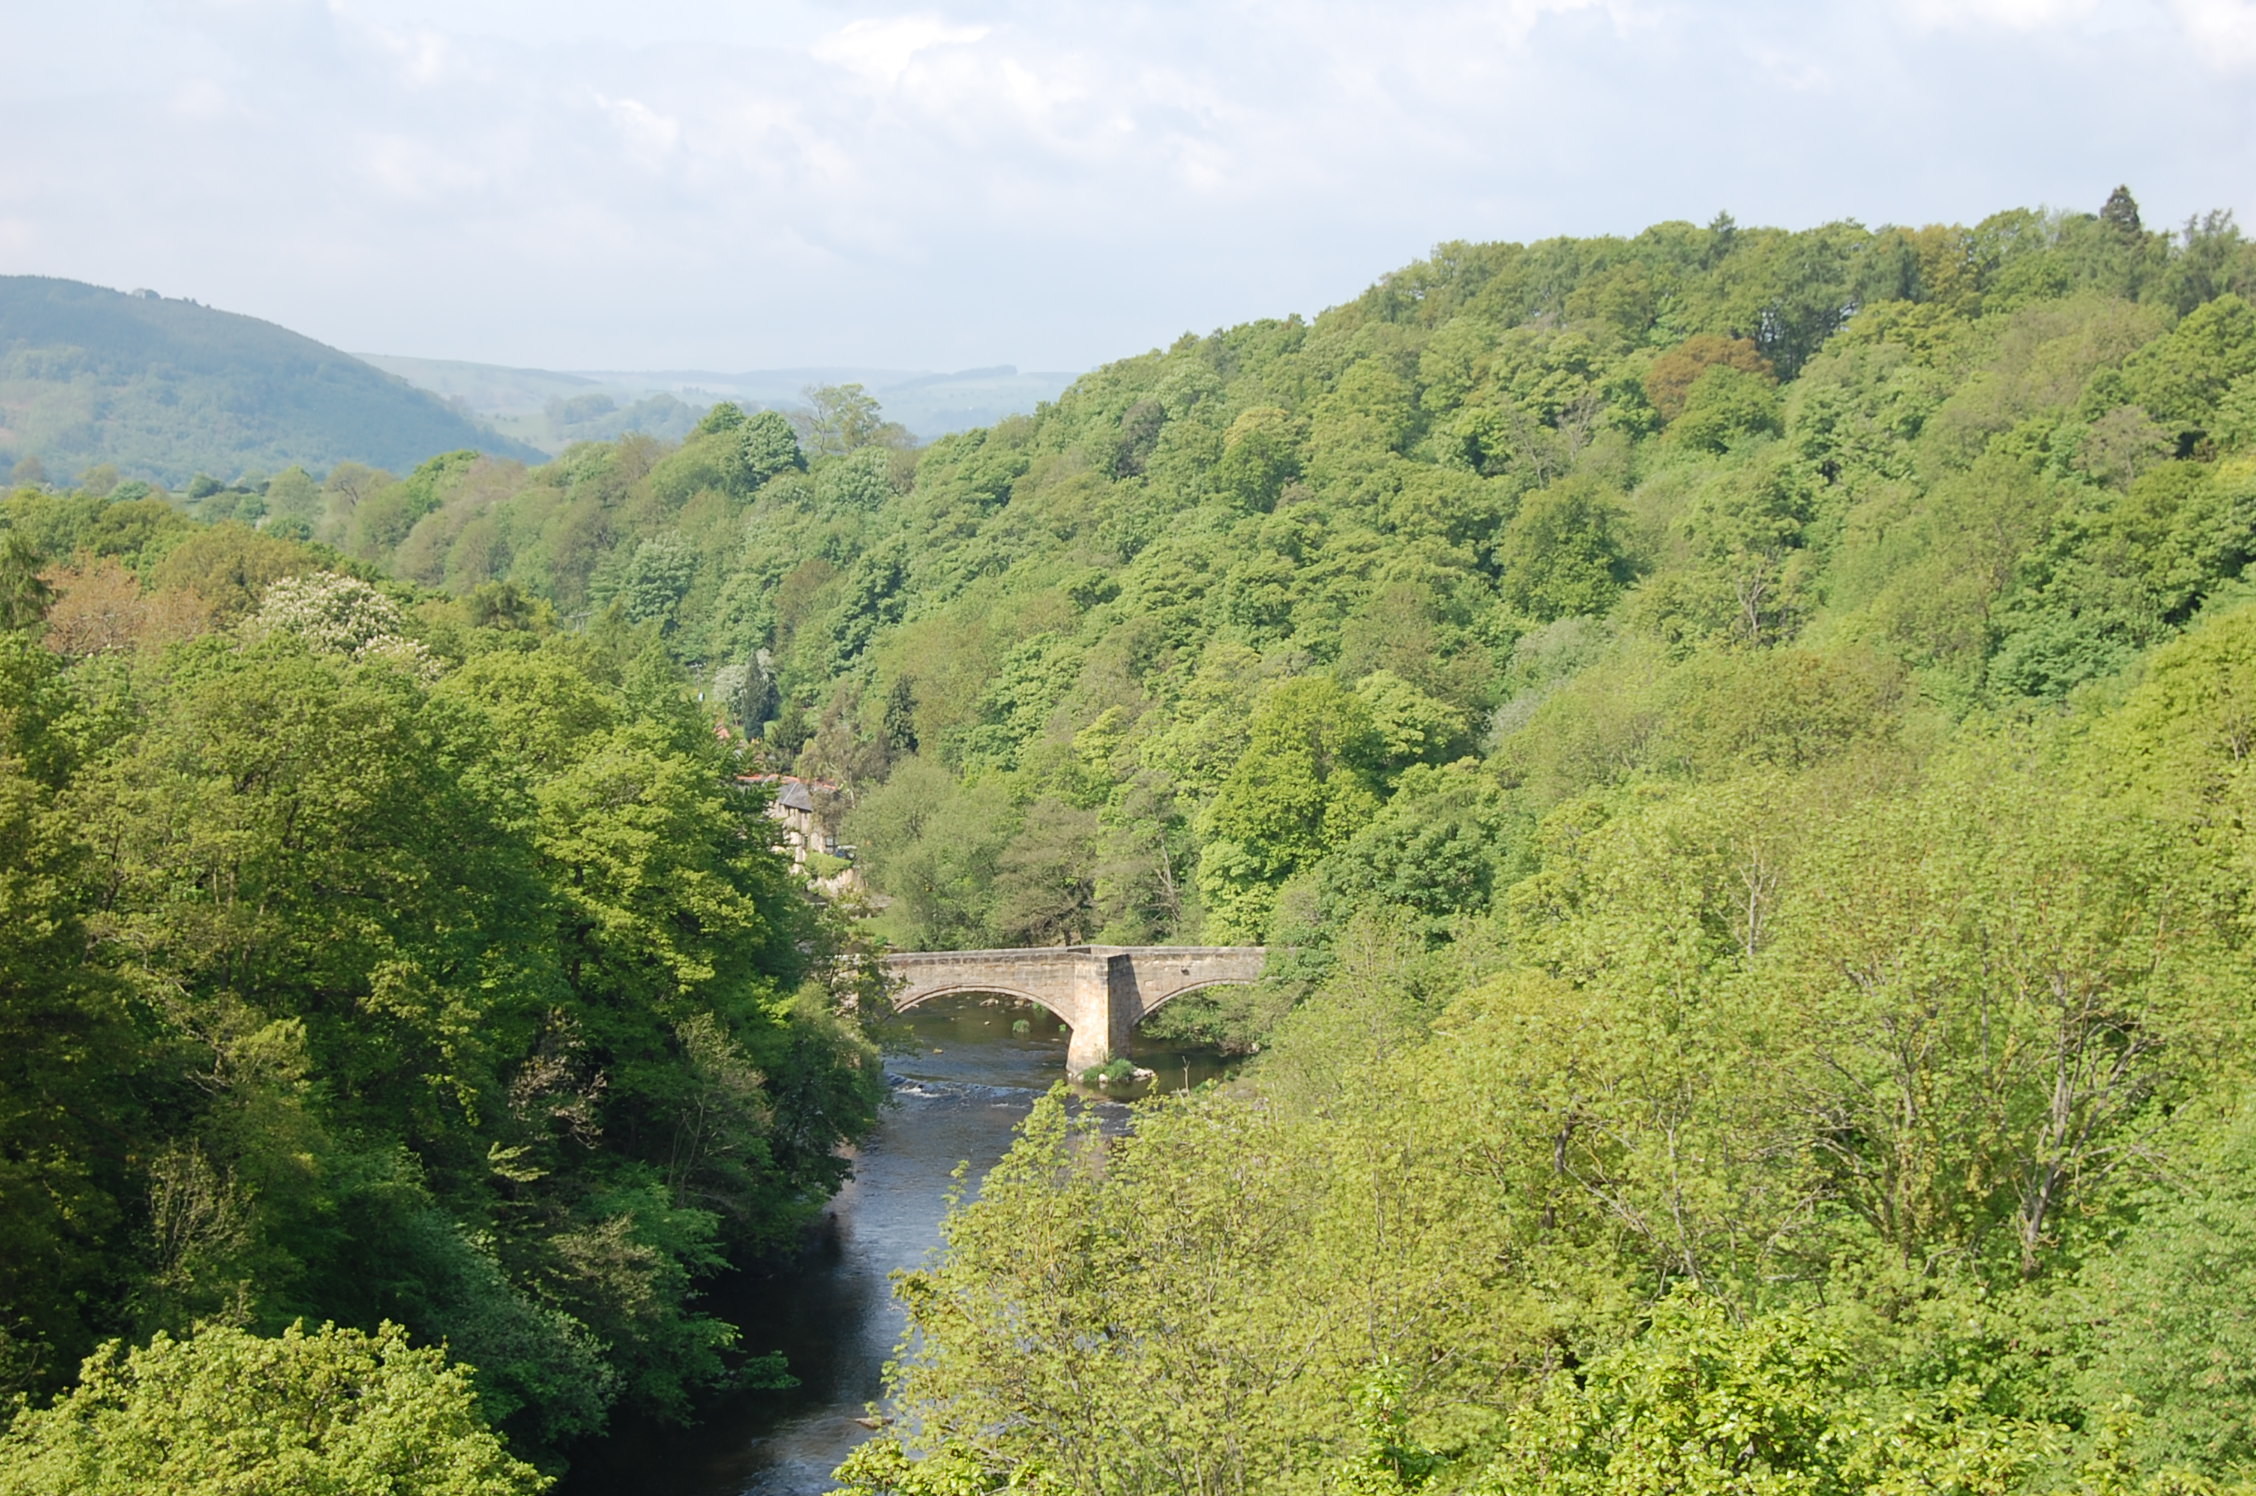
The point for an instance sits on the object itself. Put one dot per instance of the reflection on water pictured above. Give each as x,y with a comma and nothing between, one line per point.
970,1071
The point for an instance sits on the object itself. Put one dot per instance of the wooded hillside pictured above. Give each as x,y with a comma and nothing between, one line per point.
1739,737
1523,505
160,389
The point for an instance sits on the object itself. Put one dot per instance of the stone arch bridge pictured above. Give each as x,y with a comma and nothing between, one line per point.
1101,991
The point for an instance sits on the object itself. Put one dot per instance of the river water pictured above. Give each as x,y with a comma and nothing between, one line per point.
967,1073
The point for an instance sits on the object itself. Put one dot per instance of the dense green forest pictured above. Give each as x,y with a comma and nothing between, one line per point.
379,961
159,389
1736,737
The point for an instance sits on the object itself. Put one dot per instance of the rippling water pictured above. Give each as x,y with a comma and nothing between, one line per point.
960,1088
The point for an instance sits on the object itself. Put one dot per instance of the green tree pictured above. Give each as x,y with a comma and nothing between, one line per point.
1724,406
1258,458
650,586
2165,1326
771,447
1439,847
2121,212
331,1411
844,418
1301,1257
1559,558
24,596
1046,879
862,480
229,567
1305,783
2179,379
933,844
67,1041
1994,993
1699,1403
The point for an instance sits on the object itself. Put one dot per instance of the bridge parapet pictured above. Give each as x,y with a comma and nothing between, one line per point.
1101,991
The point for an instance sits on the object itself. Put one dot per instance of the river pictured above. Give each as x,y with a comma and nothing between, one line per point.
966,1075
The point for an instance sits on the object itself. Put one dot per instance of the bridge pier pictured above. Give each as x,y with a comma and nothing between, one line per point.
1101,992
1106,1004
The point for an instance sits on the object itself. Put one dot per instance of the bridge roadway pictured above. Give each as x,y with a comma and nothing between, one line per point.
1101,991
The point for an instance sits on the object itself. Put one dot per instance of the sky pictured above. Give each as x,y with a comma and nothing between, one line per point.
733,184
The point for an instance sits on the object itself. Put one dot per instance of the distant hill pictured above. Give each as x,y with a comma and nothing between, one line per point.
552,409
164,388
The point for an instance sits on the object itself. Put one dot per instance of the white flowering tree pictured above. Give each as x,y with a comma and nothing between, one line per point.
337,614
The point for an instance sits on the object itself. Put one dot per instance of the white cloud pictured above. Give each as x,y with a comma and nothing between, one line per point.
651,136
2222,31
422,57
955,182
1795,71
203,99
2013,15
418,170
881,50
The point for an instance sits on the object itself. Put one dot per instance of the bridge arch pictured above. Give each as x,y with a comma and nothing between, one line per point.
919,996
1152,1005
